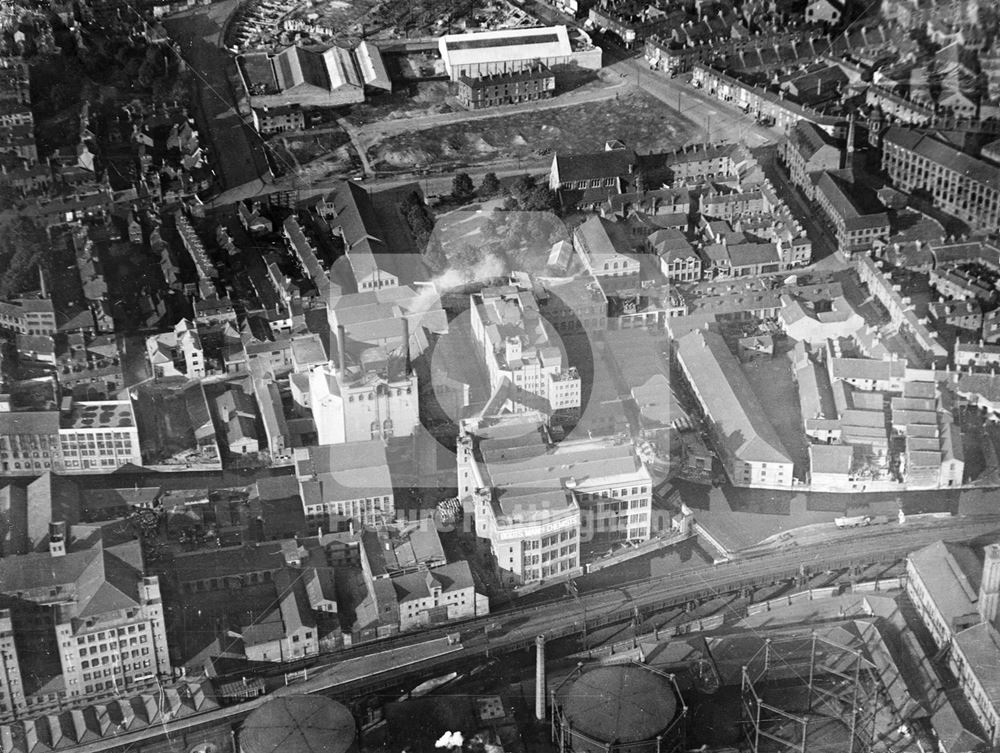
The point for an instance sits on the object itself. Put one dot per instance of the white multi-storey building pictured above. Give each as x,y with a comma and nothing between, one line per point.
85,437
371,393
345,481
518,348
99,436
86,601
956,592
536,502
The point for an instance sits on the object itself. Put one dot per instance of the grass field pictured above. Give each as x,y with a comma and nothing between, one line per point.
641,121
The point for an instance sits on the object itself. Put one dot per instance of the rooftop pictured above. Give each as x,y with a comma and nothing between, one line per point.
504,44
951,574
106,414
343,471
730,400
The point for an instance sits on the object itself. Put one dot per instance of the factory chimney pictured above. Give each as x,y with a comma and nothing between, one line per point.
849,146
341,350
540,688
41,283
406,347
989,587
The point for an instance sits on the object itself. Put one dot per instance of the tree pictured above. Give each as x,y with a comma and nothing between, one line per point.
520,188
462,187
541,198
490,186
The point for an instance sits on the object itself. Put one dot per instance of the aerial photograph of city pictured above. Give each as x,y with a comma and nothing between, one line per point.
500,376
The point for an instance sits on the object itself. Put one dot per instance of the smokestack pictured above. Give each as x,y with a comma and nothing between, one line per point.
989,587
406,346
41,282
540,678
341,349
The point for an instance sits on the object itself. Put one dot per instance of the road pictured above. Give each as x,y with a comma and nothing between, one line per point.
357,677
715,120
236,149
375,132
824,247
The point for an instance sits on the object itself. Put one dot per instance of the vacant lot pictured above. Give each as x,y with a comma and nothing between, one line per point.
421,98
305,147
642,122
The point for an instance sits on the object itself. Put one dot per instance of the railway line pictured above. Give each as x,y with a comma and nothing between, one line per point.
393,662
857,547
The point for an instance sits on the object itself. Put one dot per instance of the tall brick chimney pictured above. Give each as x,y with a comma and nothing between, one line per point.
989,588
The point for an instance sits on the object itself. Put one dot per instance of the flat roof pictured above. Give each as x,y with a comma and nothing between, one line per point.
106,414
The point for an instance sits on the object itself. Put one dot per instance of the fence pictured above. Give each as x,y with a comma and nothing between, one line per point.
826,592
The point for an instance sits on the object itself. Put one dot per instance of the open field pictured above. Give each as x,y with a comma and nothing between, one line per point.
642,122
331,146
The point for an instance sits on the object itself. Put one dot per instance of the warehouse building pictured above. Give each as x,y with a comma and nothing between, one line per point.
489,53
312,76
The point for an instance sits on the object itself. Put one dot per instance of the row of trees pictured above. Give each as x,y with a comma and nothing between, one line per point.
418,217
524,193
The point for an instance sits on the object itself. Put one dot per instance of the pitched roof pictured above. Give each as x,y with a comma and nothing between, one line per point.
951,574
729,399
944,155
452,577
612,163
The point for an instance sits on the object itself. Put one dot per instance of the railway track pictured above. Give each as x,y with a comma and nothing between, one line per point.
395,661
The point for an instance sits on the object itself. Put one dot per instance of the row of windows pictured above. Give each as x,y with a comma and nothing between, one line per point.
549,570
89,663
104,634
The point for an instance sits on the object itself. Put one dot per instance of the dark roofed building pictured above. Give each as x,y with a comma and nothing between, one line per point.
91,589
808,149
509,88
849,207
960,184
611,169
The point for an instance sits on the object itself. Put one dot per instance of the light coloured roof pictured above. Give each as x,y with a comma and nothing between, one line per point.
866,368
951,574
834,458
729,399
981,646
343,471
504,45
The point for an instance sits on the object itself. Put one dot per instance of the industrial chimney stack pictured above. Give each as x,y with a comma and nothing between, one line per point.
989,588
341,350
540,678
406,346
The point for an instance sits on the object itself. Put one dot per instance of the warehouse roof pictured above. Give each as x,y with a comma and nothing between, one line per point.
729,399
504,45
